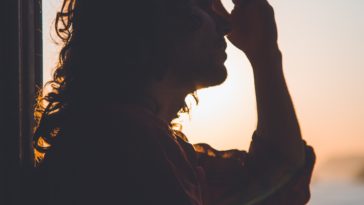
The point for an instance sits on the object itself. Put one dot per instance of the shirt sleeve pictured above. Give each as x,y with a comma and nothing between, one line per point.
255,177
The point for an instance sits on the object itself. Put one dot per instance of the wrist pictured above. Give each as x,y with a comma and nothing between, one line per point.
266,59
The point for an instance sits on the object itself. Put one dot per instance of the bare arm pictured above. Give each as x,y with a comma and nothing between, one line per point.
254,32
277,121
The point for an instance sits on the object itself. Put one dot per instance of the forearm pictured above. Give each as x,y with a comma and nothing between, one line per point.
254,32
277,121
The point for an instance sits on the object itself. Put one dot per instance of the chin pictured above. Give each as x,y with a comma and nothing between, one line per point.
214,77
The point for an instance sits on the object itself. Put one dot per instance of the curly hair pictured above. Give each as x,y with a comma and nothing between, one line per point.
138,53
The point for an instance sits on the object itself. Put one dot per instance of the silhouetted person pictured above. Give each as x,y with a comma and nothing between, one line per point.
104,133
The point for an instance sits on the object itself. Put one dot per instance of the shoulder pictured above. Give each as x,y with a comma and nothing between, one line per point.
109,152
117,123
134,117
106,135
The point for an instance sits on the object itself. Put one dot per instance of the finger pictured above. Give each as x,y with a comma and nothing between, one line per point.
219,8
241,3
244,3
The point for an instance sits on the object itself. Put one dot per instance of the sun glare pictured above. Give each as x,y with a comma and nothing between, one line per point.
322,52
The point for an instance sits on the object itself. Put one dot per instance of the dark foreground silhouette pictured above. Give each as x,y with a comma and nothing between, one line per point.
104,133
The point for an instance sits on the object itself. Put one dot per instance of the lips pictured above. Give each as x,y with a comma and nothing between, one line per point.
222,44
221,47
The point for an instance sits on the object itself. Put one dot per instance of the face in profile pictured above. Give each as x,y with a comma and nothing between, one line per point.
200,58
145,45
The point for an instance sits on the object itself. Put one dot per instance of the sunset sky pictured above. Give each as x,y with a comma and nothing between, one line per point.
323,51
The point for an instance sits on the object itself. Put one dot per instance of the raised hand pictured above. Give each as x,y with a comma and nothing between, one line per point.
253,26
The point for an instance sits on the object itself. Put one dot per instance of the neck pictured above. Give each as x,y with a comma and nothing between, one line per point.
168,98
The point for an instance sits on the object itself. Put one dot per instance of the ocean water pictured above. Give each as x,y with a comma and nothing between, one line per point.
337,193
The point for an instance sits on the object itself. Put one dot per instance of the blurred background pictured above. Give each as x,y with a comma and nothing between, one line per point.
323,52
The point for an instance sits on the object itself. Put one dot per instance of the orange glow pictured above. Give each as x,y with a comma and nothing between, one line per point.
322,44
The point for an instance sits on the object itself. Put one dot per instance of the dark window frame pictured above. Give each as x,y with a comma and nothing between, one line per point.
20,75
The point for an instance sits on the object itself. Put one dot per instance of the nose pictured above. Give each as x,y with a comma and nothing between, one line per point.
222,25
